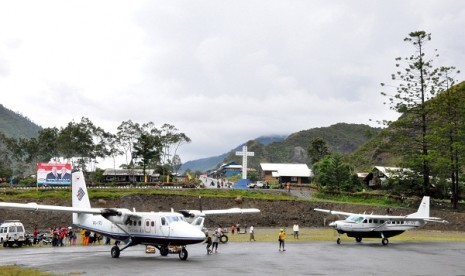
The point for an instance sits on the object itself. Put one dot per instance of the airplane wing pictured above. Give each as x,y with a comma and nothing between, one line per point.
118,216
346,214
197,213
39,207
231,211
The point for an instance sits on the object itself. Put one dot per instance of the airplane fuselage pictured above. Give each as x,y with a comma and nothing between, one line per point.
368,226
160,228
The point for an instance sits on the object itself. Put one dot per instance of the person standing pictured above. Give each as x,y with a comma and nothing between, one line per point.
216,239
35,235
252,233
281,238
295,228
209,243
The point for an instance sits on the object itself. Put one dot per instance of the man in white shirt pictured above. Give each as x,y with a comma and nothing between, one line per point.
295,228
252,233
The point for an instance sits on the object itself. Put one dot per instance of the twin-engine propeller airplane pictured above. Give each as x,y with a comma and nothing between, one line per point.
360,226
169,232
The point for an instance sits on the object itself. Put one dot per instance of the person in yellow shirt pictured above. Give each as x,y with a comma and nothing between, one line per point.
281,238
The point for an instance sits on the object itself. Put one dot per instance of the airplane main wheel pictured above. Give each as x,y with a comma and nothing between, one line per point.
385,241
183,254
164,251
358,239
338,241
115,252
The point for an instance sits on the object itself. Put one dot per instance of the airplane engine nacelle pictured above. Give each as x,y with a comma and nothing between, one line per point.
116,216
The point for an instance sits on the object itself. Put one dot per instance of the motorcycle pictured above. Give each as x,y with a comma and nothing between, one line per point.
29,240
45,240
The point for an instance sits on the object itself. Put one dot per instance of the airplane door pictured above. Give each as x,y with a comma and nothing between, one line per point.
164,227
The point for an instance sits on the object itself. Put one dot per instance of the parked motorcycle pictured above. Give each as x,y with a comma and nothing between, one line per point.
45,240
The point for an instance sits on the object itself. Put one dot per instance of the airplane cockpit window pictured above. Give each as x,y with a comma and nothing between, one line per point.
175,218
355,218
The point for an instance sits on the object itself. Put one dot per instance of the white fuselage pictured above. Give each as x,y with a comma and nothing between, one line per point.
373,226
161,228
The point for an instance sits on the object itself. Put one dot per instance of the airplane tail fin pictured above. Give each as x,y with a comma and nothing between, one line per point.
80,197
423,209
79,190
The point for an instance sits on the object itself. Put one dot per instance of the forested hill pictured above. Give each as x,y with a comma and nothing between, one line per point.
382,151
341,137
15,125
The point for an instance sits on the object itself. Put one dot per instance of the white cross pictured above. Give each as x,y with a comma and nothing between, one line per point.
244,154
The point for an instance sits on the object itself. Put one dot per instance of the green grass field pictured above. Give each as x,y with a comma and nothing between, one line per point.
326,234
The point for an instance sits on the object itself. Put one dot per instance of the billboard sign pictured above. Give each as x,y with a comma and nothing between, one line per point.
54,174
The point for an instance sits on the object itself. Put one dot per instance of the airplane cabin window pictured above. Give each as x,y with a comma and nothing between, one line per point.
147,223
375,221
163,221
139,223
153,223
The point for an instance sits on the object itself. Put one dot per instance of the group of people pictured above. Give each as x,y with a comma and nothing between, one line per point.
213,240
59,236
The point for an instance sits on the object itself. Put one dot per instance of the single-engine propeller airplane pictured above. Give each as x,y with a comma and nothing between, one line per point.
360,226
169,232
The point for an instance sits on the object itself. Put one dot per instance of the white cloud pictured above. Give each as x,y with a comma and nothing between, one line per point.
221,72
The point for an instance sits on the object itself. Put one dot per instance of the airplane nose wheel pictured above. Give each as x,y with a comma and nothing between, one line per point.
115,252
338,241
183,254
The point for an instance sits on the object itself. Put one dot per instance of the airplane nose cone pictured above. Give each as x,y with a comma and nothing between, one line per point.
333,225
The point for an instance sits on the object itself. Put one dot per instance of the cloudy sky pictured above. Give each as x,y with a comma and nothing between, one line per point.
223,72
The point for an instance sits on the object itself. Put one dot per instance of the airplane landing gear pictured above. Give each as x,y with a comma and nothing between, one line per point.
183,254
358,239
338,241
115,252
164,251
385,241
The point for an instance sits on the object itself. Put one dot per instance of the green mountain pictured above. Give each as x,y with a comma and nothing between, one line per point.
210,163
341,137
15,125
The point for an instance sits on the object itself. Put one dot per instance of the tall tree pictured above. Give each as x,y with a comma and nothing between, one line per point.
171,140
416,82
317,149
147,148
128,133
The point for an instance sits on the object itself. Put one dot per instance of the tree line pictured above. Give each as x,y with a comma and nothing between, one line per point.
82,143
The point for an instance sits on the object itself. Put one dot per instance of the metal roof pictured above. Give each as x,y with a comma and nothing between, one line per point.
121,172
278,169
